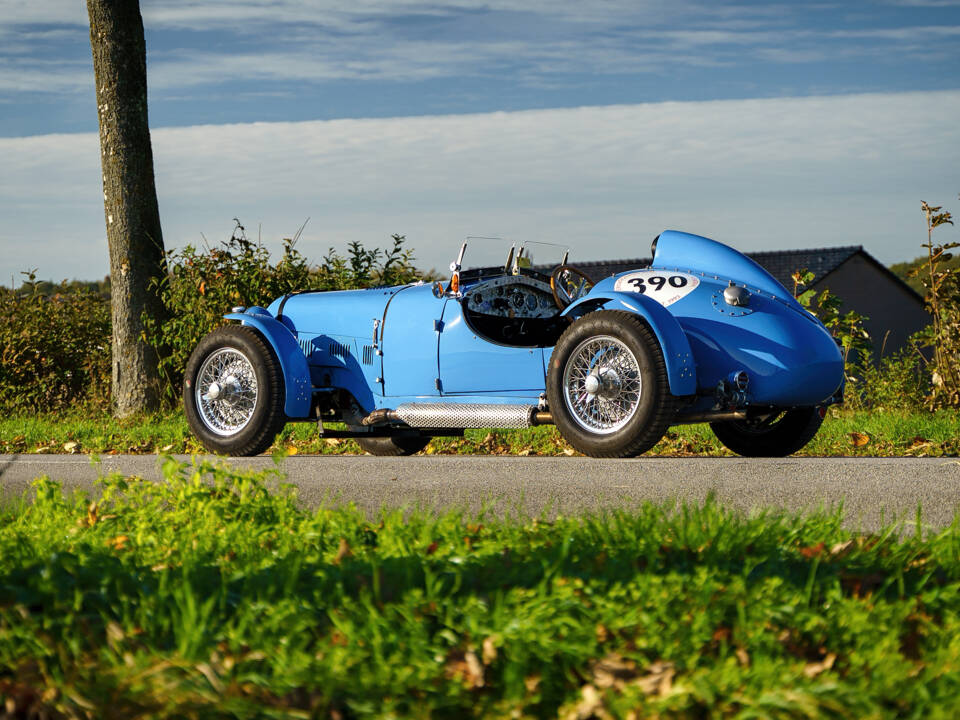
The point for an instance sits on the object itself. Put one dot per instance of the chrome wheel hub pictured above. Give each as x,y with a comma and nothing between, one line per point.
226,391
601,384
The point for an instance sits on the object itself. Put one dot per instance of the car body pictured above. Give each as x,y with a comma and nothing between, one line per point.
703,334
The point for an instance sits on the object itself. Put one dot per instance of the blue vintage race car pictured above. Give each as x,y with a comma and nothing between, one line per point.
703,334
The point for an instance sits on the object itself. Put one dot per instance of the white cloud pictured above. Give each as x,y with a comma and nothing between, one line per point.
760,174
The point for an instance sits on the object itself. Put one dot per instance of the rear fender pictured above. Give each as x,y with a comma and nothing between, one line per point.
681,369
293,363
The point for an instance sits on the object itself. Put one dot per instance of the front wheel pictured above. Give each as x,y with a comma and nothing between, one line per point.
607,386
233,392
775,436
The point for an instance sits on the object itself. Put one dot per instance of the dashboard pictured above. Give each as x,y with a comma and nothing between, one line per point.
511,296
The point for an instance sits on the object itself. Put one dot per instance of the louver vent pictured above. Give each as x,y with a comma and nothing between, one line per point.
306,344
368,354
339,349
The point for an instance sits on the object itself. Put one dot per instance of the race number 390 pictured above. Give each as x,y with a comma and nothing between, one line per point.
664,287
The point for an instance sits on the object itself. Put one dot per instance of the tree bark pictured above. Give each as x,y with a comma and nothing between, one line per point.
129,199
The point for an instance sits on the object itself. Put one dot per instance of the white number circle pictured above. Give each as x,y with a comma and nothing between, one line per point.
664,287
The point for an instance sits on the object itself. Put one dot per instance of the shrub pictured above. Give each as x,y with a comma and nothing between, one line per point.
54,347
200,287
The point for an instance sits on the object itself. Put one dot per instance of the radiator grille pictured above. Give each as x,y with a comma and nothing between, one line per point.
368,354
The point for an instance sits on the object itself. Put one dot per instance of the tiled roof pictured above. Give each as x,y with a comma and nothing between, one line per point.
820,261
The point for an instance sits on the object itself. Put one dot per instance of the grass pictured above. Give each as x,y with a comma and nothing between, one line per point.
208,596
883,433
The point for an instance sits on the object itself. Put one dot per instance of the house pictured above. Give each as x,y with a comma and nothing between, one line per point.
894,309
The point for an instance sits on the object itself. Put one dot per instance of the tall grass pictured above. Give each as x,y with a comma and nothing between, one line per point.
208,595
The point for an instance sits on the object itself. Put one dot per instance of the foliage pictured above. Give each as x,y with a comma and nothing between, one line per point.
898,381
208,596
200,287
942,284
847,328
54,347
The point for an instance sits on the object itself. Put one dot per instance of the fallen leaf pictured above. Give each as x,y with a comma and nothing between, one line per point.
841,549
742,657
489,651
433,548
659,679
859,439
332,442
291,449
119,542
167,448
814,669
466,666
602,633
813,550
70,446
569,451
343,552
525,452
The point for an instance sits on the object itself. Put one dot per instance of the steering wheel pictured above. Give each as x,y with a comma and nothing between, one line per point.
569,284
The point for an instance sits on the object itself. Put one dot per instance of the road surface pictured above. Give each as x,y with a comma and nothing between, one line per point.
870,490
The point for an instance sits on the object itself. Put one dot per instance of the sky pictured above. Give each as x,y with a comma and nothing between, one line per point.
597,124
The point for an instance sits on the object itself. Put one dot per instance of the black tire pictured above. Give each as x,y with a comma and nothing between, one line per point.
783,436
264,416
394,446
651,407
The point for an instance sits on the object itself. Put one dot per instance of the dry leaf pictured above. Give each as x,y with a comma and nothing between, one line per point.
859,439
742,657
813,550
814,669
291,449
343,552
489,651
659,680
70,446
841,549
602,633
167,448
569,451
119,542
332,442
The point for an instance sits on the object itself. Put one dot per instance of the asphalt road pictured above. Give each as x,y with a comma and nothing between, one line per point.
870,490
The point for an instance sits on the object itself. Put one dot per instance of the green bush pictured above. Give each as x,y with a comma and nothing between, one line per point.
897,382
54,347
201,286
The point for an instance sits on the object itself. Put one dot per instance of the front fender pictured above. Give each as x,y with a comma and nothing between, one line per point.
677,355
293,363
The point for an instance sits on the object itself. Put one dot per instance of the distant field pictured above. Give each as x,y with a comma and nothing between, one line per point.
208,596
843,433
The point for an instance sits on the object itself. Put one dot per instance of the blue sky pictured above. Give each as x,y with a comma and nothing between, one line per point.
591,121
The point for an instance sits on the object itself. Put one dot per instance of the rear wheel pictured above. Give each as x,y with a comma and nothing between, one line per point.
775,436
607,386
393,446
233,392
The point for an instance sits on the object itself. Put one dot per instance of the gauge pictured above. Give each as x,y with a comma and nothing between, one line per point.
532,302
517,299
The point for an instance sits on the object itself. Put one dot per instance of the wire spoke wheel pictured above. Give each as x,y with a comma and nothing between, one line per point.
602,384
226,391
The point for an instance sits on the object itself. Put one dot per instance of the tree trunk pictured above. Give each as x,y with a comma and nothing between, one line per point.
129,198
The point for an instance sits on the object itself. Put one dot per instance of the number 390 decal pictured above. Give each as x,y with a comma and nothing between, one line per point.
664,287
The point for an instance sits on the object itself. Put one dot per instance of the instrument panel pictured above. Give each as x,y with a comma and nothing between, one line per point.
512,296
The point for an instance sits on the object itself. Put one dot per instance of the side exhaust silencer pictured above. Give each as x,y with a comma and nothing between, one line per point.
459,415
